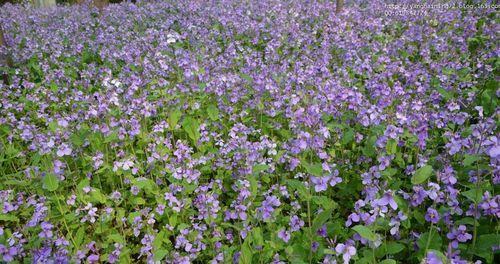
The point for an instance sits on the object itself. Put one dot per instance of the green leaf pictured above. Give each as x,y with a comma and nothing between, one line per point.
254,186
144,183
300,188
173,118
160,254
260,167
470,159
192,127
321,219
258,240
8,218
435,241
485,244
369,149
213,112
474,195
418,216
246,77
53,126
77,140
50,182
246,252
444,93
329,251
465,221
348,136
315,169
116,238
97,196
80,235
421,175
324,202
394,248
112,137
365,232
388,261
391,146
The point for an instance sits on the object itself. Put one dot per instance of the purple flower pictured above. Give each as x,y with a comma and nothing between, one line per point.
94,258
46,230
387,199
63,150
314,246
71,200
322,232
459,235
353,217
134,190
432,258
296,223
347,251
284,235
432,215
268,205
320,183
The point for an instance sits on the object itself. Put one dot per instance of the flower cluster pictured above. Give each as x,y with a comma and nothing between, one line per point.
248,132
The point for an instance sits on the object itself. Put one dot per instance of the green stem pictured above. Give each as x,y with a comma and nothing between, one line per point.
429,239
63,213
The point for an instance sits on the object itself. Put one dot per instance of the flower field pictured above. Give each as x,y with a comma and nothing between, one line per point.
249,132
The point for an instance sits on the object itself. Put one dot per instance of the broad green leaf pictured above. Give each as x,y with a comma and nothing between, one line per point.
324,202
418,216
465,221
365,232
213,112
160,254
369,149
144,183
172,220
391,146
246,77
191,127
300,188
329,251
257,236
435,241
50,182
315,169
173,118
475,195
422,174
444,93
394,248
388,261
485,244
348,136
8,218
116,238
254,186
321,218
80,235
470,159
97,196
112,137
260,167
246,252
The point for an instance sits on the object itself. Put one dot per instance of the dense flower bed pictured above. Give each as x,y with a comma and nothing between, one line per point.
249,132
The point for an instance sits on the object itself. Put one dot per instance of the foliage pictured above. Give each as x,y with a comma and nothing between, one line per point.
249,131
